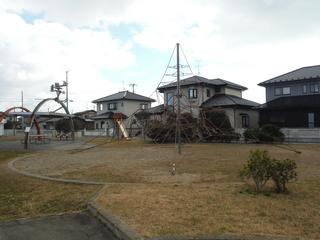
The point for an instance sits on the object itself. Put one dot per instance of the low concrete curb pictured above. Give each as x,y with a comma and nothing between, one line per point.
73,181
225,237
113,224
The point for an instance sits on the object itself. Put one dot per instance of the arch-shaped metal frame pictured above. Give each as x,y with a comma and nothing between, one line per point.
6,113
33,116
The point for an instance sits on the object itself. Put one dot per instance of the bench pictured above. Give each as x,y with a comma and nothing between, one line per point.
39,139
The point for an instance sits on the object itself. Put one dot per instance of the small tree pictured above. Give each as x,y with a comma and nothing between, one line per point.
258,168
282,172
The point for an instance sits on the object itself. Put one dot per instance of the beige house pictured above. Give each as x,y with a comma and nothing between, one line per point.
119,106
201,93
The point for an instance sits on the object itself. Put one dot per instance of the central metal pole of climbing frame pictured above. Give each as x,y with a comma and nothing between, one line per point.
178,119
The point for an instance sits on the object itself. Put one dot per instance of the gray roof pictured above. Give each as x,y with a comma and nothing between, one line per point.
106,115
84,112
201,80
156,110
124,95
224,100
312,72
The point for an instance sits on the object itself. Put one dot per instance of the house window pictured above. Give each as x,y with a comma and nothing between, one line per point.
100,106
286,91
192,93
169,99
112,106
102,125
208,93
314,88
278,91
282,91
245,120
217,89
144,106
310,120
304,88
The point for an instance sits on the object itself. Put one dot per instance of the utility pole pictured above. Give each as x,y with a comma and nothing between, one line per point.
67,90
132,85
178,119
22,98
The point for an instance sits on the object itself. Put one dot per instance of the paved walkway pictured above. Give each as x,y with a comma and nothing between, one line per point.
77,226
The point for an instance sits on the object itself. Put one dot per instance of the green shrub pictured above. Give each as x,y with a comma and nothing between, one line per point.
282,172
252,134
64,125
271,133
267,133
258,168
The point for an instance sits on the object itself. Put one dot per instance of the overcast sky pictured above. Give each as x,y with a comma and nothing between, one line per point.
108,44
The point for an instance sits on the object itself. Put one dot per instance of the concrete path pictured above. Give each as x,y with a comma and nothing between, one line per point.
77,226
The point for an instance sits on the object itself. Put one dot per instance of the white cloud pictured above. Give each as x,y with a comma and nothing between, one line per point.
33,56
245,41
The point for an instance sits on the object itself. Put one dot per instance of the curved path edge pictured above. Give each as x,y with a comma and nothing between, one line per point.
62,180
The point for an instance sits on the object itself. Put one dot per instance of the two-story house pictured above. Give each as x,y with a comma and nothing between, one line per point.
201,93
293,99
123,104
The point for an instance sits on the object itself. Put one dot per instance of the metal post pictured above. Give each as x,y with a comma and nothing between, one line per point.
22,99
67,90
178,119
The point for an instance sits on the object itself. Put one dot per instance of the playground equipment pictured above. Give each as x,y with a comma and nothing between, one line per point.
7,112
118,119
54,88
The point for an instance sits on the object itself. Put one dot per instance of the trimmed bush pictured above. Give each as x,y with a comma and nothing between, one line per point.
282,172
64,125
267,133
258,168
252,134
271,133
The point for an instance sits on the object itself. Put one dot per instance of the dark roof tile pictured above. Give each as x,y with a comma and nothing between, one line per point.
197,80
124,95
311,72
223,100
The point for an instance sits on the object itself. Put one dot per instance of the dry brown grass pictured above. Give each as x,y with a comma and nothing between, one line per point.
206,196
143,163
206,208
22,197
11,138
219,202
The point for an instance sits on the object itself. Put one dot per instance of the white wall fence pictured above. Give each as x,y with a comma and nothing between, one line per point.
301,135
20,132
100,132
292,135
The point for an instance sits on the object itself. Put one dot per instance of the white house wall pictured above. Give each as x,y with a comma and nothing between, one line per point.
233,92
1,129
235,115
192,105
127,107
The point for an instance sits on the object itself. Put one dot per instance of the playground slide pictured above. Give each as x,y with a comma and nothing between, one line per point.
123,129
